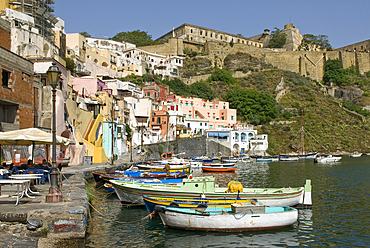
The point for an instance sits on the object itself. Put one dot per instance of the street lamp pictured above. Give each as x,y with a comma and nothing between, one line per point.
54,194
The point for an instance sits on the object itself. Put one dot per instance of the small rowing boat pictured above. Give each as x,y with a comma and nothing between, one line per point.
249,216
151,202
224,167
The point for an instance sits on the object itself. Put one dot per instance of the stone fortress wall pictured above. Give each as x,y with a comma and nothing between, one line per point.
305,63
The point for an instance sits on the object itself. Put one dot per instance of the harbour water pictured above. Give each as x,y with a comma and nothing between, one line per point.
339,216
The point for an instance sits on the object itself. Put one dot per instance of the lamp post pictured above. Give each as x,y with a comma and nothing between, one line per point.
54,194
112,162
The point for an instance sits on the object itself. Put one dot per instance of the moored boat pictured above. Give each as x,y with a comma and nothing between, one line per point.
327,159
267,159
151,202
222,167
161,167
355,155
289,159
206,187
241,217
101,177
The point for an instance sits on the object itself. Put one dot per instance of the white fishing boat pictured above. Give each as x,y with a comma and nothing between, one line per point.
289,159
327,159
267,159
355,155
241,217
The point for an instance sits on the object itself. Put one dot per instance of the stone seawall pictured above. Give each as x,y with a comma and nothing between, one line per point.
193,147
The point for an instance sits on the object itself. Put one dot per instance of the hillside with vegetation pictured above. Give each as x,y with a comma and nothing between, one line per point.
328,127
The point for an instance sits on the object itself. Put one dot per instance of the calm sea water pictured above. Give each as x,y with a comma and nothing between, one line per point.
340,215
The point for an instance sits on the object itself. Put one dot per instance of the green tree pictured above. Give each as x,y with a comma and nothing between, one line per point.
278,39
223,76
253,106
319,41
201,90
70,65
178,87
85,34
137,37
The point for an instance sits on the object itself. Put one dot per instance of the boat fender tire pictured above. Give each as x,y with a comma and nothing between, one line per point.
159,209
202,205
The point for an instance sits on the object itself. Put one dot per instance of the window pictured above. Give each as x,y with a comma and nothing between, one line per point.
189,116
184,131
148,94
191,104
236,137
211,127
196,117
5,78
222,118
152,119
158,120
204,105
210,107
83,46
216,107
201,32
232,117
186,104
201,124
205,124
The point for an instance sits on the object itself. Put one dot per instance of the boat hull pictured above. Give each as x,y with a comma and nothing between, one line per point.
219,168
132,192
194,220
327,160
267,159
151,202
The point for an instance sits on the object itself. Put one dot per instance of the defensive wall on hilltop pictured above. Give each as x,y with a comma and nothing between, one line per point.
306,63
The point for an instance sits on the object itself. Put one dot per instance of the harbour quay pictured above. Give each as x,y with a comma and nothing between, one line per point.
36,223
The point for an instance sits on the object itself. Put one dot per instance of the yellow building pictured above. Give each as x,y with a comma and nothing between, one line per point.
104,58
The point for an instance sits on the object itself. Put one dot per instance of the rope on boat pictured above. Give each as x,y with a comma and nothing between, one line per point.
101,214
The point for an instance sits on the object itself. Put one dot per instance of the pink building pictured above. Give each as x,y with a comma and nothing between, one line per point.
217,114
88,86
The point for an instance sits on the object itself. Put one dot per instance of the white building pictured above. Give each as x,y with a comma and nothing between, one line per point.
120,88
198,127
26,40
244,140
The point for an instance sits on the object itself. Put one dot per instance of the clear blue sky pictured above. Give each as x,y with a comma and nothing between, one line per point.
344,22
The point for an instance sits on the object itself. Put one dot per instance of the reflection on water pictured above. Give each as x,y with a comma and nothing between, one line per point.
339,215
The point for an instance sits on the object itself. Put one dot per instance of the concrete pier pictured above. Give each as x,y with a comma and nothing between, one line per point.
35,223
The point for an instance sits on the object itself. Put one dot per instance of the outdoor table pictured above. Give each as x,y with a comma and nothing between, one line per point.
23,183
28,177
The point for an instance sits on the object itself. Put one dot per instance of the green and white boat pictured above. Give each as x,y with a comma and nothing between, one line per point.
205,187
